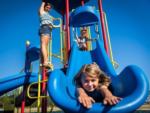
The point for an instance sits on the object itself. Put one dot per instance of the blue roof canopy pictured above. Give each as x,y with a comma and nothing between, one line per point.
84,16
59,5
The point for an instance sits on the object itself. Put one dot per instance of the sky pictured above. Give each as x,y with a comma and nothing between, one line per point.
128,22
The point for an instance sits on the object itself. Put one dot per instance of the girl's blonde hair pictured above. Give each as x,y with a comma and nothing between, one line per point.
92,70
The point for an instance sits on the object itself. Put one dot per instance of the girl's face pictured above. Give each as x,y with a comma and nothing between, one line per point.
47,8
89,83
84,33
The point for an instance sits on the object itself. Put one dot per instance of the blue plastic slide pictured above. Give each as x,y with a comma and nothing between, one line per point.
131,84
11,82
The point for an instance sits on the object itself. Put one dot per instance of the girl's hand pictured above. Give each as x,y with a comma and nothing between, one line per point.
84,99
109,98
43,0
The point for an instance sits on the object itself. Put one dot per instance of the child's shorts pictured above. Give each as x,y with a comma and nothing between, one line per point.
45,30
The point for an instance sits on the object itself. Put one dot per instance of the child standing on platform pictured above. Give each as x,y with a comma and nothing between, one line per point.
46,25
83,39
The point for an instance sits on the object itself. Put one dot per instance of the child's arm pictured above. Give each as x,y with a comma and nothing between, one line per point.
78,40
92,39
109,98
41,10
84,99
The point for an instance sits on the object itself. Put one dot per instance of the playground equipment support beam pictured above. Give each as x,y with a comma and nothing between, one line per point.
82,2
103,26
67,28
23,101
25,86
44,90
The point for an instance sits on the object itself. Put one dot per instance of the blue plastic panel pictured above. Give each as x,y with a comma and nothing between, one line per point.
84,16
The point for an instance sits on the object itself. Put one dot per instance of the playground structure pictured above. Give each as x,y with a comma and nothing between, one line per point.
60,84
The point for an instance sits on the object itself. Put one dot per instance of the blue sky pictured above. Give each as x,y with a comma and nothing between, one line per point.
128,22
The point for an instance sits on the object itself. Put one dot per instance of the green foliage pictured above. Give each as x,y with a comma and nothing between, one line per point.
8,102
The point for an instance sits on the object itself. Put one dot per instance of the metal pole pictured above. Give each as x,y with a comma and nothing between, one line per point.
44,91
67,28
103,26
64,41
82,2
23,104
25,85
